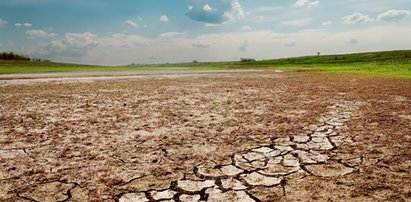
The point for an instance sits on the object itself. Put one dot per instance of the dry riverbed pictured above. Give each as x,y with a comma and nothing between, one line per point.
209,136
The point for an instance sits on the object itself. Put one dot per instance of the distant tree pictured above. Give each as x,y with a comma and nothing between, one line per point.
195,62
247,60
318,57
12,56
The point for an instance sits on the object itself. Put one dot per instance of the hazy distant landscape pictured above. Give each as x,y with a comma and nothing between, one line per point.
386,63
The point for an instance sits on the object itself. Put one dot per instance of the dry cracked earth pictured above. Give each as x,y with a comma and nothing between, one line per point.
243,136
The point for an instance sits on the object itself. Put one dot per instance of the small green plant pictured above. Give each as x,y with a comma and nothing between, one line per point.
160,98
220,129
87,106
227,107
101,190
122,86
245,146
216,105
281,126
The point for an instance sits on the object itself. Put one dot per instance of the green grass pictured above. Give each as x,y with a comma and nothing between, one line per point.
386,63
386,70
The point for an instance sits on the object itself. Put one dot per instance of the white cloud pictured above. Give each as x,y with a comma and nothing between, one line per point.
207,8
131,24
212,25
80,40
38,33
244,46
290,44
73,45
215,11
200,44
164,18
247,28
297,23
329,22
269,8
260,19
313,4
117,42
118,35
172,34
307,3
301,2
3,22
23,24
353,41
393,15
356,18
236,11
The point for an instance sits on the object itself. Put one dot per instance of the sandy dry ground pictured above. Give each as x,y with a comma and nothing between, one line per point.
238,136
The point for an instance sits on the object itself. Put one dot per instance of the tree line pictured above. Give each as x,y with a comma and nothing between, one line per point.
13,56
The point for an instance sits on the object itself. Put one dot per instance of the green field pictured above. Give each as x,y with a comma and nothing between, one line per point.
386,63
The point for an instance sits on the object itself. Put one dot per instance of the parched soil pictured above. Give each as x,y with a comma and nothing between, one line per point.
242,136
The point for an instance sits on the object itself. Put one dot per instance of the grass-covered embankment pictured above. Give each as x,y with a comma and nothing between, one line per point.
386,63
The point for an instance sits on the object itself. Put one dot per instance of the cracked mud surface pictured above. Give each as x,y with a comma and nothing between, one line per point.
267,166
256,136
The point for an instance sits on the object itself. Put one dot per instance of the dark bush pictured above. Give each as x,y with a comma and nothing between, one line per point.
247,60
12,56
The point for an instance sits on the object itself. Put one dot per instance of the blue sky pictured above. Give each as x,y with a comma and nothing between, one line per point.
155,31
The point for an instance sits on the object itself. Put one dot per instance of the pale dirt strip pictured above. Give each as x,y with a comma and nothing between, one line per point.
85,77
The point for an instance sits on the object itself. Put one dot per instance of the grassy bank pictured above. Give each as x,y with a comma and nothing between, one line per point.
386,63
